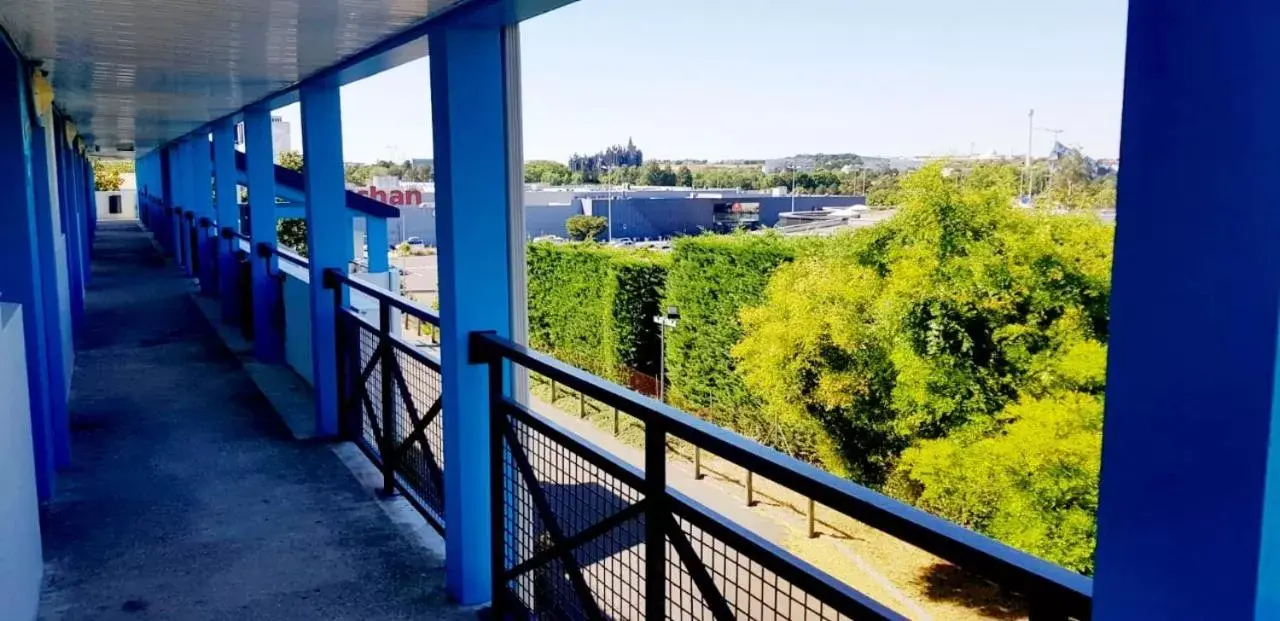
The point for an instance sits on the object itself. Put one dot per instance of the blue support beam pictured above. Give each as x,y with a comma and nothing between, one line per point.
228,215
375,233
329,236
469,107
20,278
202,171
68,206
48,237
268,342
1189,513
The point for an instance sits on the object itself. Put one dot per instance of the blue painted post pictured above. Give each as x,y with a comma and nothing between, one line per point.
375,234
202,156
20,256
91,214
48,235
177,201
1189,514
468,104
268,343
329,236
187,201
70,195
224,165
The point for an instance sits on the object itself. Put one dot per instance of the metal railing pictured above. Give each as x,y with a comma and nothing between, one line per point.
580,534
389,400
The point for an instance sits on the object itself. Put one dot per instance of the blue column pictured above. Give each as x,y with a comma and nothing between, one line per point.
71,200
268,343
468,105
375,234
20,256
202,158
87,214
48,236
1189,515
228,215
186,186
329,235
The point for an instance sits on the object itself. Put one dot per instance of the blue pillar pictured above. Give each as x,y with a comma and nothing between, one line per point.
375,234
228,215
268,343
92,190
187,202
67,196
20,256
329,235
1189,514
48,236
202,159
468,105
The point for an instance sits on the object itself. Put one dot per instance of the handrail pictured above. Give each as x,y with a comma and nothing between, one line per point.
1042,582
333,278
265,250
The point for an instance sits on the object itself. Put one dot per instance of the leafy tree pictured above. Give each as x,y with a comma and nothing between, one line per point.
952,331
583,228
548,172
684,177
107,174
292,232
1028,477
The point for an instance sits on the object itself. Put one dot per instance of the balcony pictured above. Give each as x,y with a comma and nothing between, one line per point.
207,425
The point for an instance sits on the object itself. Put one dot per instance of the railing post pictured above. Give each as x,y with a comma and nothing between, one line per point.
656,515
497,487
228,217
387,450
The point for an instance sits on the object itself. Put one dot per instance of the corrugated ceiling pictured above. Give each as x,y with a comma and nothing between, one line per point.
145,71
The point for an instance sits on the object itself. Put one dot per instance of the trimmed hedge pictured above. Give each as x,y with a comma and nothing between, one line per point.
592,306
712,278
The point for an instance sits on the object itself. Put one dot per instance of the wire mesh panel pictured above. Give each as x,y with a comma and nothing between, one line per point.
748,589
367,403
555,498
419,429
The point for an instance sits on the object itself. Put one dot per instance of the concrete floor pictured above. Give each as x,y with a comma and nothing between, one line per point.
187,497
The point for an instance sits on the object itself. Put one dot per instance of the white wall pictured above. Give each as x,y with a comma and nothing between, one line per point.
297,321
128,205
21,561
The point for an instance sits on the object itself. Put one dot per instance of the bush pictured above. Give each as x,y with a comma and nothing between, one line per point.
712,278
591,306
585,228
1029,478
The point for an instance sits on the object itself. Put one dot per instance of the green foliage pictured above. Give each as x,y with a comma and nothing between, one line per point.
712,278
107,174
585,228
361,174
292,232
1028,477
591,306
958,324
548,172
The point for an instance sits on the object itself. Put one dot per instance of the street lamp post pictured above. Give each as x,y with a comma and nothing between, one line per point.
664,321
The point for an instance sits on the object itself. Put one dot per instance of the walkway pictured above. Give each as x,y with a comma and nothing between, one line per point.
187,497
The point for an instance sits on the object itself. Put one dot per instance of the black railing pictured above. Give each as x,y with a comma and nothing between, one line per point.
580,534
389,400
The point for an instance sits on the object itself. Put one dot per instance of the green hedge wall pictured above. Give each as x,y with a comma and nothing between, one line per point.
712,278
592,306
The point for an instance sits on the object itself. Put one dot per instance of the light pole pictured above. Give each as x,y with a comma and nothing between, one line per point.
664,321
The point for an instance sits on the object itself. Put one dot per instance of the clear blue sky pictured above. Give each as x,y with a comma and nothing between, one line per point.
719,79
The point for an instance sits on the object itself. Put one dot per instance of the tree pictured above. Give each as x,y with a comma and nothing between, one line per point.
583,228
684,177
292,232
107,174
548,172
925,354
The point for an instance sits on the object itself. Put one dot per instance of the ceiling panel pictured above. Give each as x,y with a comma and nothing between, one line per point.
146,71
